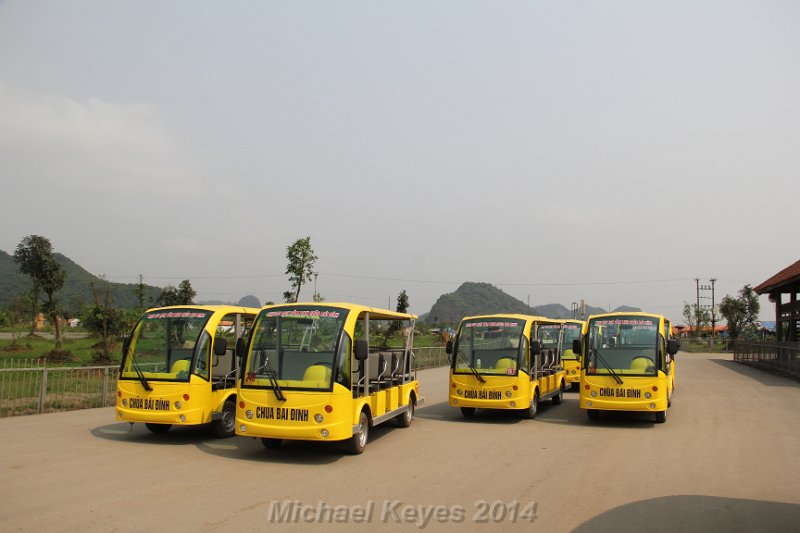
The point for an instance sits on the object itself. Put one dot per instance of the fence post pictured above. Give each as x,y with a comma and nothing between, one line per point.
105,387
43,389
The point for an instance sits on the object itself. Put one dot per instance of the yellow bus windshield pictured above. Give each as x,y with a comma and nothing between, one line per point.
547,336
163,344
489,346
624,345
297,347
572,331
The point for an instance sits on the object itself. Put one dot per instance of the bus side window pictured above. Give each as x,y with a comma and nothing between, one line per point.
203,356
345,353
526,355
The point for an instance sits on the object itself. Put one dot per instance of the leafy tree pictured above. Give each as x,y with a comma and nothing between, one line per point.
300,267
15,311
183,295
402,307
139,291
740,312
34,255
690,316
108,322
402,302
696,317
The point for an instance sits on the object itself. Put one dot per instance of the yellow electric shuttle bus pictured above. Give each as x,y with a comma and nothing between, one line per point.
626,364
571,361
326,372
496,365
178,367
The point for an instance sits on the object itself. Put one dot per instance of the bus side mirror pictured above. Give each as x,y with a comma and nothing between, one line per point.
576,346
673,345
448,348
220,346
240,348
361,350
536,348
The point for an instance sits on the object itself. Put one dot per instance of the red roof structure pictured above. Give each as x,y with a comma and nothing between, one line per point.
784,277
787,313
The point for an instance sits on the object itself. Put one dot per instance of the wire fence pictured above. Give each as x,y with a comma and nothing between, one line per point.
430,357
781,357
30,386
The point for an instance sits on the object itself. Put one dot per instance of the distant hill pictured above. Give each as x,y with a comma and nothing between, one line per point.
244,301
77,290
483,298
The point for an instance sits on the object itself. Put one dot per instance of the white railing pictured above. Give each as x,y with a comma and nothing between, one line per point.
30,386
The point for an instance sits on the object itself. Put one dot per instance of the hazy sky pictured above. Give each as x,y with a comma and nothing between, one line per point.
606,151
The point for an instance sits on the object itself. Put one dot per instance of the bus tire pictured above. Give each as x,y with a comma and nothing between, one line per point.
531,411
661,417
593,414
225,426
405,419
358,441
158,428
558,398
468,412
271,444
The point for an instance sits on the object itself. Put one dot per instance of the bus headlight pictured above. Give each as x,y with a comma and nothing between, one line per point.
652,406
182,418
513,404
318,418
124,402
647,395
594,394
242,429
178,405
508,394
459,392
324,433
248,414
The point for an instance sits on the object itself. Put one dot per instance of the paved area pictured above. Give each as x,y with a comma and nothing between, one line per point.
726,460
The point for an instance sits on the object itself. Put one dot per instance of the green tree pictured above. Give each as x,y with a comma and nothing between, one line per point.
139,291
34,255
182,295
107,322
402,302
690,316
402,307
741,312
300,267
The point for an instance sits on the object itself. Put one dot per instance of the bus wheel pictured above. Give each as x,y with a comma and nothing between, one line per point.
158,428
661,417
593,414
469,412
405,419
271,444
558,398
358,442
224,427
531,411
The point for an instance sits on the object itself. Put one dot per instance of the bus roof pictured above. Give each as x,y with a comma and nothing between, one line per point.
623,313
375,312
213,308
532,318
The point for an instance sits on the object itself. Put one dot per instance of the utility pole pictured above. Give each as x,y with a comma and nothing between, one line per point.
713,310
697,308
